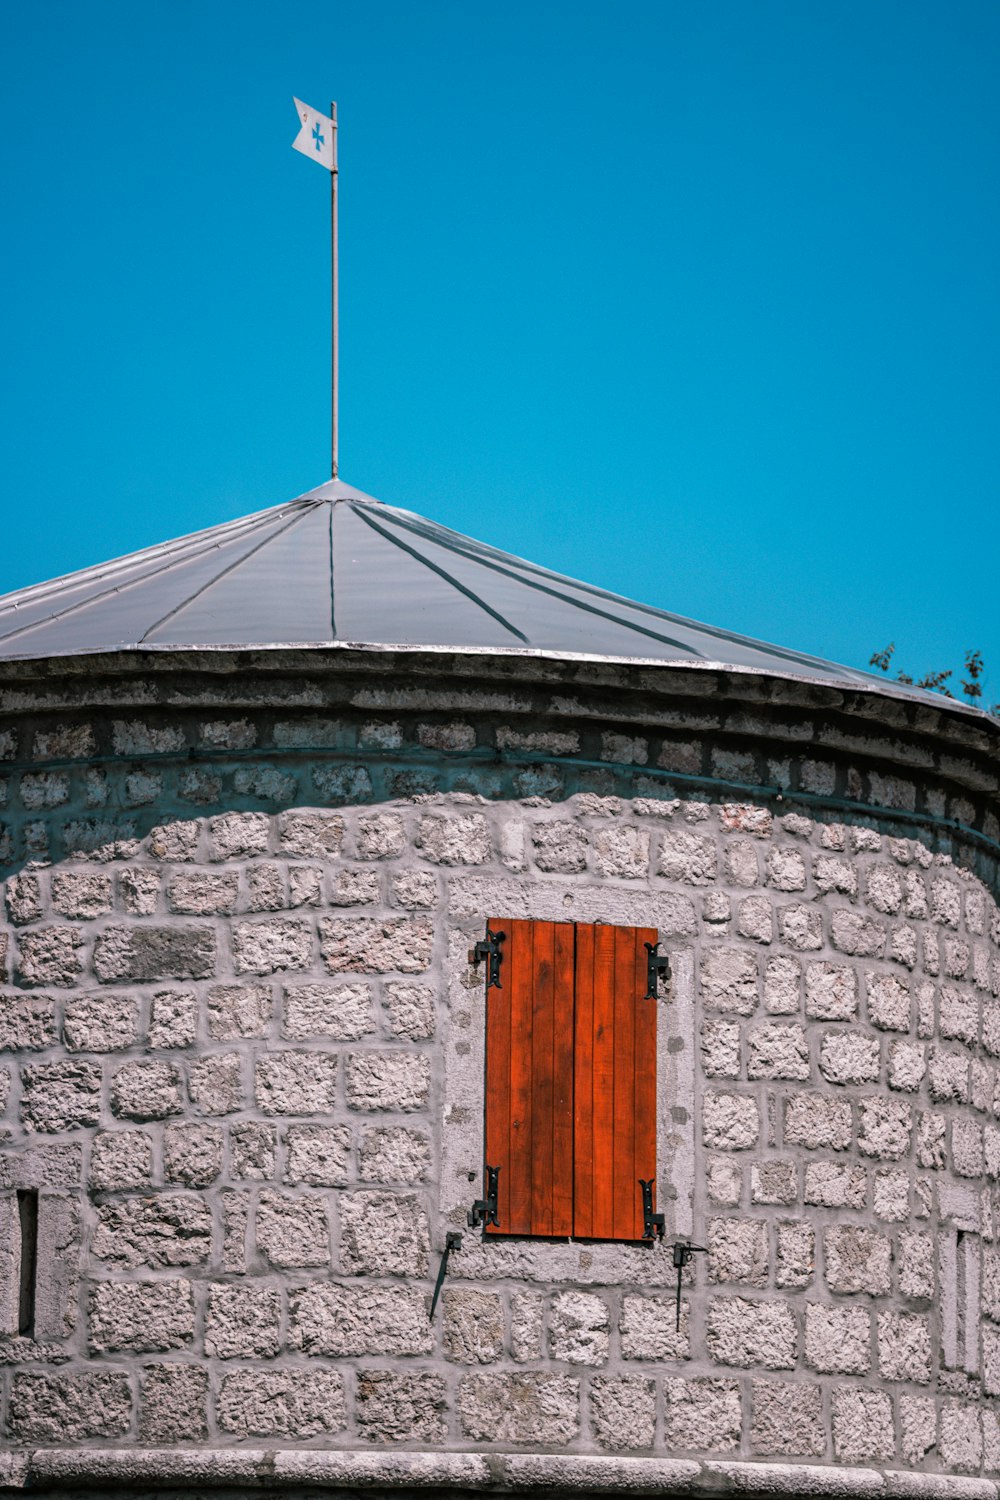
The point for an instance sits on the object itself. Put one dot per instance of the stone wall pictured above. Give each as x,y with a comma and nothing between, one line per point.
243,1048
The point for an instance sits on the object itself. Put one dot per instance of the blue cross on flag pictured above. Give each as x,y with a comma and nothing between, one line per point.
315,138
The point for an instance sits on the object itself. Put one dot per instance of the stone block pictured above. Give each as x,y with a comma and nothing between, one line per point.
703,1415
409,1010
394,1407
146,1090
388,1080
317,1154
529,1406
238,1010
343,1012
100,1023
342,1321
120,1159
787,1419
238,835
687,857
918,1427
886,1128
958,1014
24,898
904,1347
296,1083
623,1411
41,790
891,1195
786,869
849,1057
163,1229
85,894
778,1050
276,1402
310,835
526,1326
243,1321
730,1122
835,875
755,919
216,1083
831,992
748,1334
198,893
800,927
838,1339
720,1049
252,1150
292,1231
648,1329
27,1022
916,1265
907,1066
862,1426
383,1234
272,944
356,888
380,835
60,1095
796,1258
857,1260
64,1407
368,945
622,852
738,1251
729,980
773,1181
305,885
173,1404
948,1076
473,1326
140,1316
931,1130
176,841
144,954
579,1328
394,1153
192,1154
961,1439
455,840
173,1019
49,955
890,1004
416,889
818,1120
559,848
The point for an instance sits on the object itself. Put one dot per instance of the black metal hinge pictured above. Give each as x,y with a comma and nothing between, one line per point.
489,949
652,1224
484,1210
683,1251
453,1241
657,964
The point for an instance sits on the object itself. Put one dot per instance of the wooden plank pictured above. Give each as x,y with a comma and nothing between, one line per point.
583,1084
602,1224
625,1180
521,1026
497,1123
542,1079
564,953
645,1075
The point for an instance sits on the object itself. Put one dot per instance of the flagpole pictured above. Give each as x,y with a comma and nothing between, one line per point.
334,321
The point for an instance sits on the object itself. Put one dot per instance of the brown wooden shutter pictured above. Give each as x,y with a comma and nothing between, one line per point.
614,1082
529,1078
571,1079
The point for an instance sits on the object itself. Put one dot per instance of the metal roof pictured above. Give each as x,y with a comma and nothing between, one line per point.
338,567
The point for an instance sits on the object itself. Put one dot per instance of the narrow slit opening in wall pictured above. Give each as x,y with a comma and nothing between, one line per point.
27,1208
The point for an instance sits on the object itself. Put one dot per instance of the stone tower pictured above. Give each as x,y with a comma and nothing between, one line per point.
272,794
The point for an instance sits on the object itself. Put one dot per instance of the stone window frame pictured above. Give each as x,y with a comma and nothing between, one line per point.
461,1114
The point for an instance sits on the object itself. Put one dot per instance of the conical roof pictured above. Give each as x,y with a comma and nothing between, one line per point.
338,567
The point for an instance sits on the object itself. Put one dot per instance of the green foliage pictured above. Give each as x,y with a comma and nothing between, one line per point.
935,682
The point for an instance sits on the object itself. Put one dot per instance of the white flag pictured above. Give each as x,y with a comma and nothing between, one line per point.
315,138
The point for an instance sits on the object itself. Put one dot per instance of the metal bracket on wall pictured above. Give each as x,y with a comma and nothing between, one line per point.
683,1251
484,1210
490,950
453,1241
653,1225
657,965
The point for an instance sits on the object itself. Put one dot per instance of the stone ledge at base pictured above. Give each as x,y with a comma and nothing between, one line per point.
115,1469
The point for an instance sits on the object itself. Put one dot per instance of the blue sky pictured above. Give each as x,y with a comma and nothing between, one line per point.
695,301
